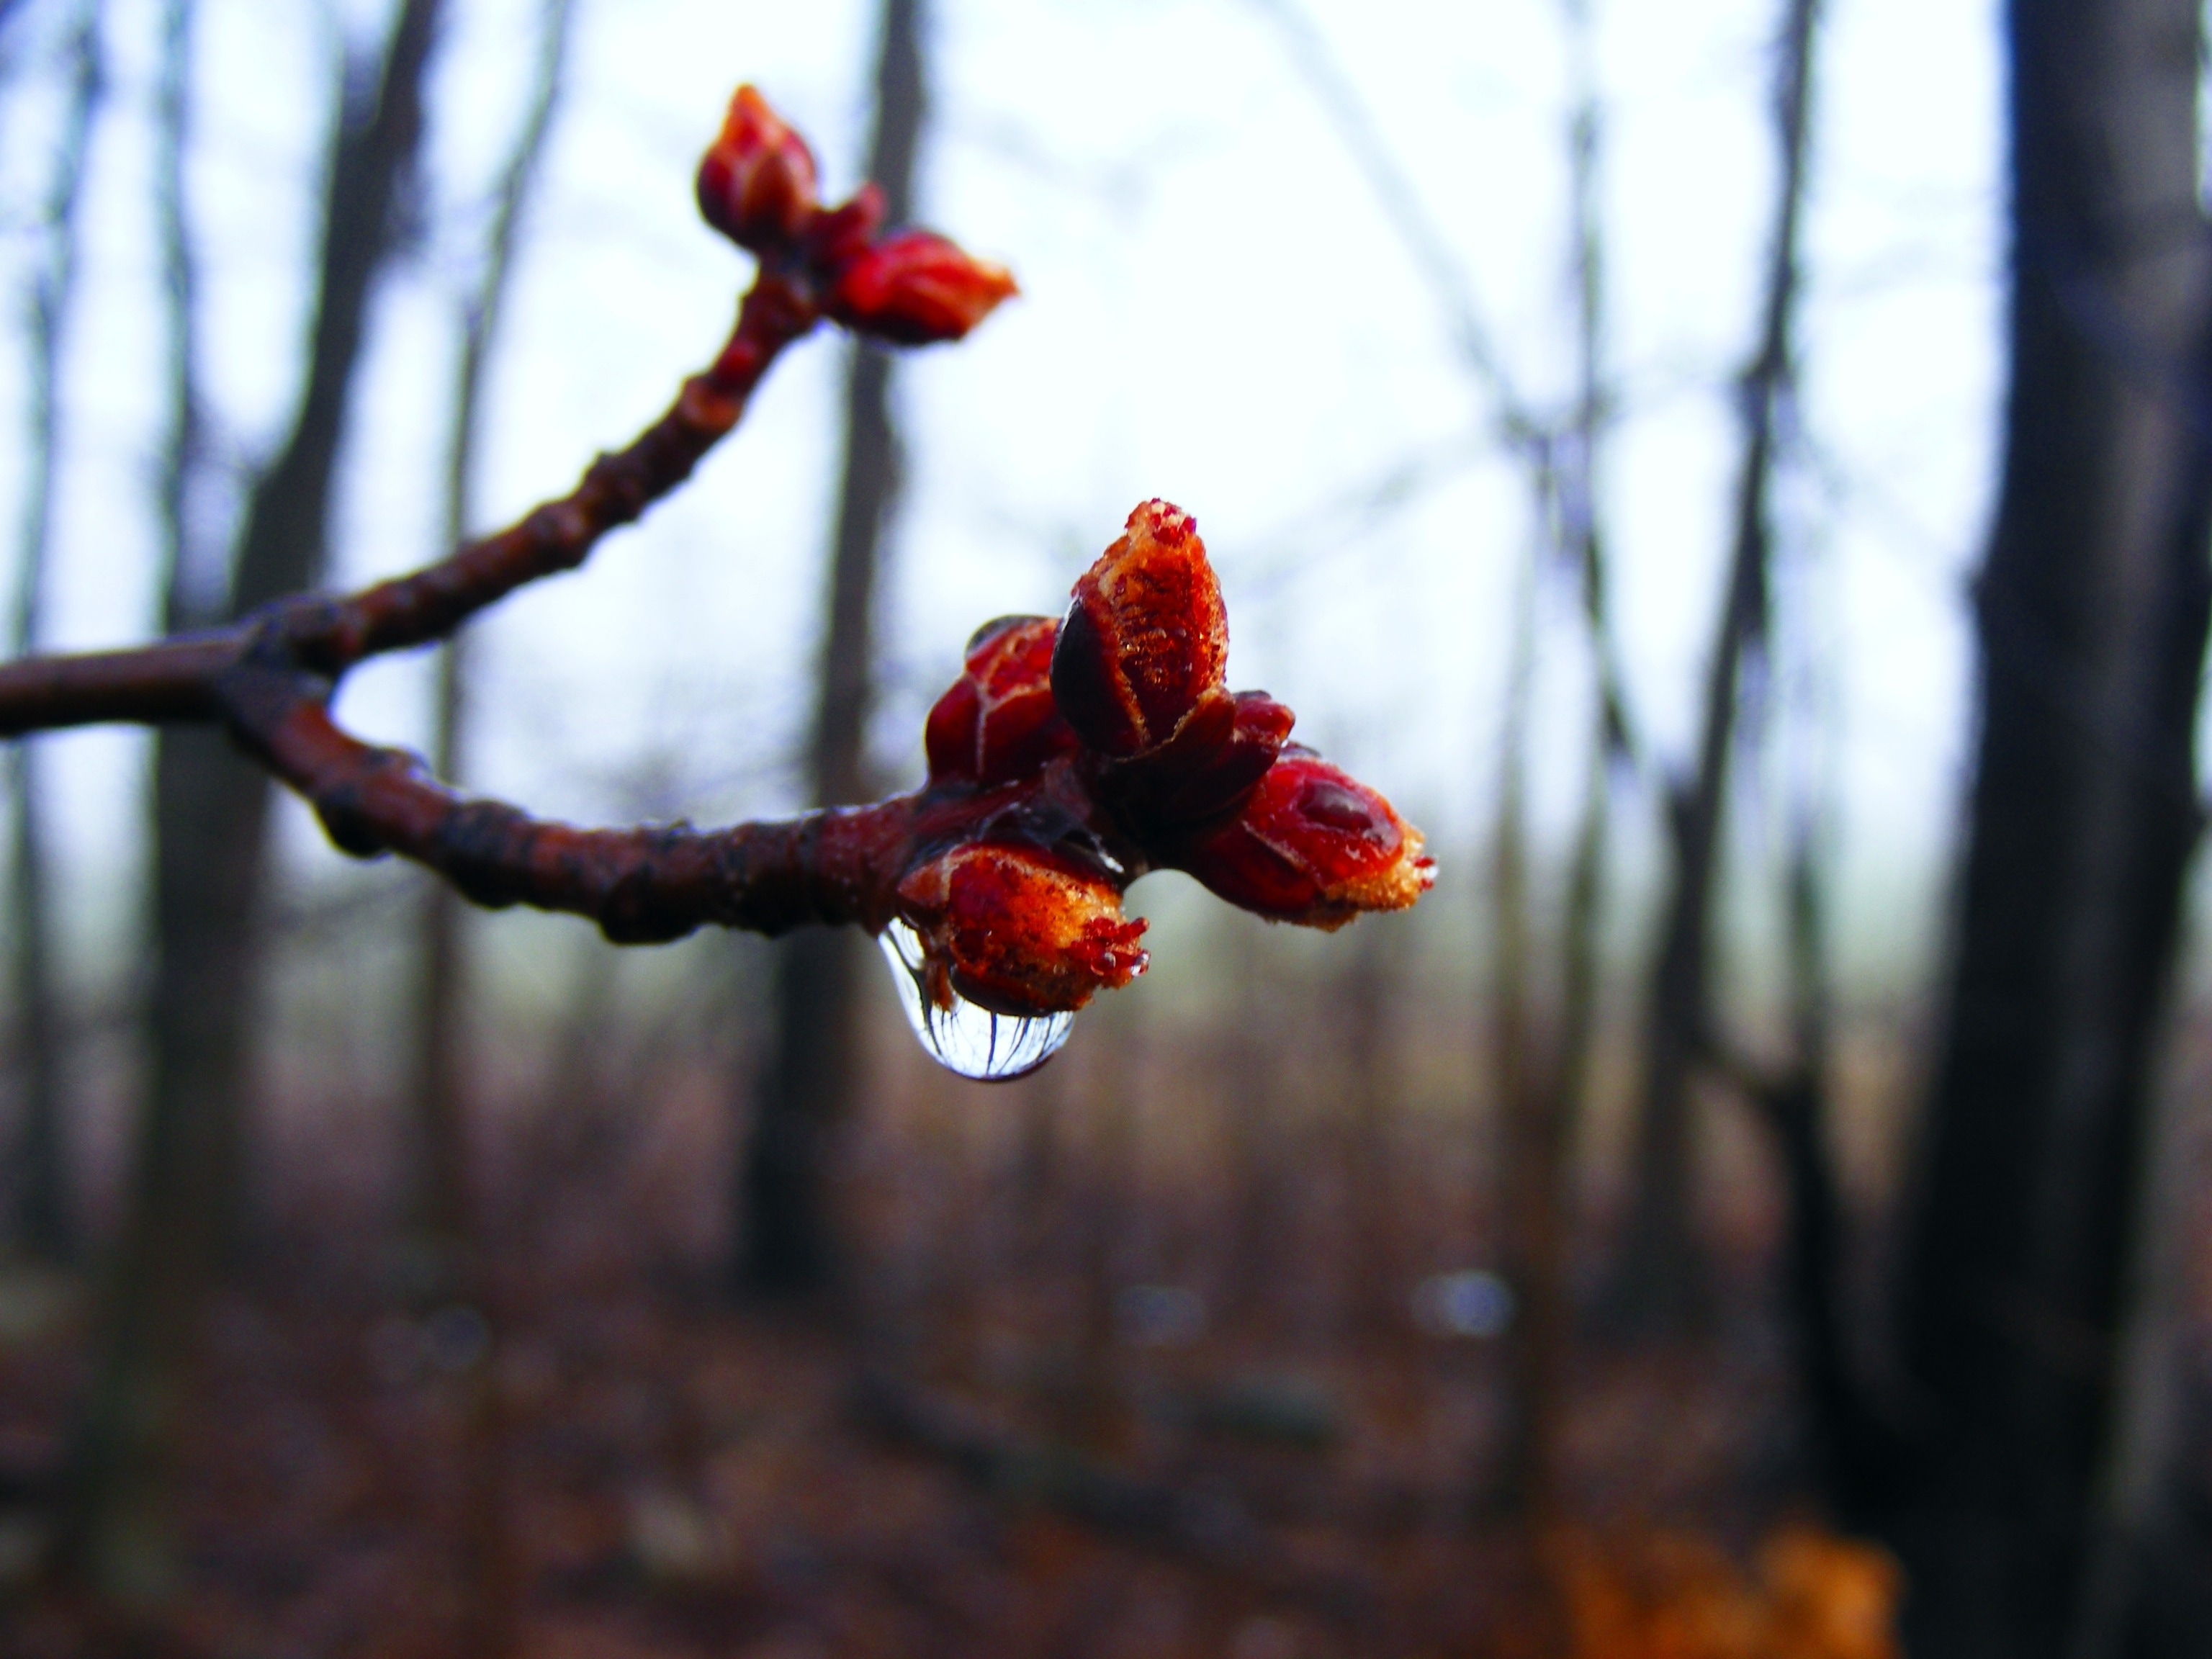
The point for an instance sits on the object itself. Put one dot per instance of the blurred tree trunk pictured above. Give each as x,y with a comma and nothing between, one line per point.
1660,1278
2091,615
210,811
1250,1059
185,581
43,1224
804,1090
440,1222
1535,1196
446,1234
1374,1248
1522,1130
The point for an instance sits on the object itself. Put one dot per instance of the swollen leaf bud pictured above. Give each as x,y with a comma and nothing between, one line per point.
1312,845
916,288
756,183
1145,643
1017,931
999,721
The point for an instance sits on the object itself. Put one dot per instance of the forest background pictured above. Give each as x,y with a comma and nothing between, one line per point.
1322,280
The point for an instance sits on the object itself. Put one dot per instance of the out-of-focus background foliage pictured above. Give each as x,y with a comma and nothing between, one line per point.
1237,1330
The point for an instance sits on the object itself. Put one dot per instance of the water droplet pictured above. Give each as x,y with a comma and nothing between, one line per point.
455,1338
1160,1316
1474,1304
964,1038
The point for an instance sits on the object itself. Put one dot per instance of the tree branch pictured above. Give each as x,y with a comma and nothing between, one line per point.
270,678
1061,768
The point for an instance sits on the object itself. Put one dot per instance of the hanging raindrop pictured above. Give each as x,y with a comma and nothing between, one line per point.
964,1038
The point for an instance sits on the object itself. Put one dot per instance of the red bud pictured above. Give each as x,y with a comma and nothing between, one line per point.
841,235
1207,768
916,288
1146,640
1017,931
1312,845
756,183
999,721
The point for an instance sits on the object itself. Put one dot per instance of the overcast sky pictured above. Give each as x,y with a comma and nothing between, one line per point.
1214,309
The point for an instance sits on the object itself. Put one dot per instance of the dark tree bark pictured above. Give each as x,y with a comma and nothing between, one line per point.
805,1088
44,1226
210,811
2091,615
1660,1276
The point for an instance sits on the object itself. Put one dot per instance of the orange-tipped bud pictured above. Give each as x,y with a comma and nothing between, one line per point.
1312,845
916,288
1145,643
756,184
999,721
1017,931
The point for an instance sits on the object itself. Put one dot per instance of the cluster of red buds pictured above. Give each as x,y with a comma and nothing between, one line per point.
1069,757
1090,749
756,185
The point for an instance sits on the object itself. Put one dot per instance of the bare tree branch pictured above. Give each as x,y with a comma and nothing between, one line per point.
1402,203
1062,759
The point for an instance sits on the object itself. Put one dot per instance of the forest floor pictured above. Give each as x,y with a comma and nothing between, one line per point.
624,1465
1091,1390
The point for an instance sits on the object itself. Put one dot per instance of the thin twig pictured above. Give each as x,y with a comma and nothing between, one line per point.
1409,217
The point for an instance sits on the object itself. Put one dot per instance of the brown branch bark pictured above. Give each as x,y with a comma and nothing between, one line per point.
269,681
